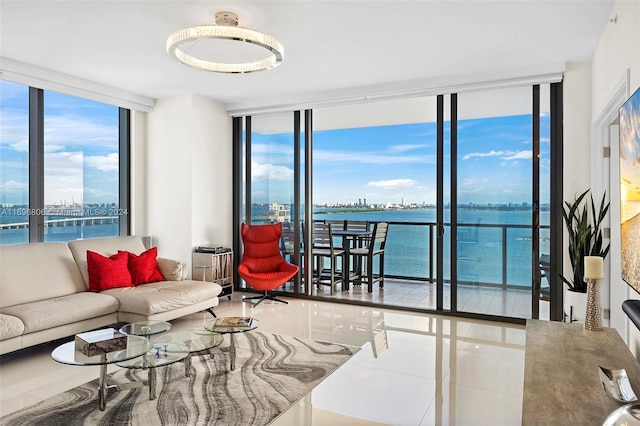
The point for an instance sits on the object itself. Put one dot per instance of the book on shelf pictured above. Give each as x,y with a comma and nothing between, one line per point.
233,322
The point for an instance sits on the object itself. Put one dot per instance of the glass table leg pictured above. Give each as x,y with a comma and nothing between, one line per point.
102,385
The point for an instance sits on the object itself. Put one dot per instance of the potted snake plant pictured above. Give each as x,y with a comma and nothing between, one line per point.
585,226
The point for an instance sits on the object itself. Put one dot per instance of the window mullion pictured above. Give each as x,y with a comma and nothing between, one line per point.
36,165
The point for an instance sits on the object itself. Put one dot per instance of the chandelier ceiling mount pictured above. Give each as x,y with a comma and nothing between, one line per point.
226,28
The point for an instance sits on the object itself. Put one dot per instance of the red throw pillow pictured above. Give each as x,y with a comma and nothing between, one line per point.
144,267
107,272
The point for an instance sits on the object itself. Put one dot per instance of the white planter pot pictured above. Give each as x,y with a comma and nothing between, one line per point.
575,306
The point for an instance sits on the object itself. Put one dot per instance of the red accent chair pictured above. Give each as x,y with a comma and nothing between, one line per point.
262,265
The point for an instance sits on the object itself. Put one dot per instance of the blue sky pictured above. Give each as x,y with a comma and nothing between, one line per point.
387,164
81,148
384,164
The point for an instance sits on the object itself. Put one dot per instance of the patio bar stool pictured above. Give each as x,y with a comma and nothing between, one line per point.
368,253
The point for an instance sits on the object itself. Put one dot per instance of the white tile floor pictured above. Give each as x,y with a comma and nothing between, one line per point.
433,370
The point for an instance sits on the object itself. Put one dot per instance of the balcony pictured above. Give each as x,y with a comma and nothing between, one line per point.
494,270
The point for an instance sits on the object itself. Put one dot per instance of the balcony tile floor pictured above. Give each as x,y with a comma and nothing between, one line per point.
422,295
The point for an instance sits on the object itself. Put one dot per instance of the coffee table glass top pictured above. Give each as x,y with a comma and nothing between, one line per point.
145,328
195,341
158,355
67,354
210,326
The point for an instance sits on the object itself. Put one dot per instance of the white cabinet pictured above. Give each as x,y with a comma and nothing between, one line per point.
215,268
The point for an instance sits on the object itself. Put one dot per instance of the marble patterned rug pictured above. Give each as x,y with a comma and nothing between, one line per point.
272,373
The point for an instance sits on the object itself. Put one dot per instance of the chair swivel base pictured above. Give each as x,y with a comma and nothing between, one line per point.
262,298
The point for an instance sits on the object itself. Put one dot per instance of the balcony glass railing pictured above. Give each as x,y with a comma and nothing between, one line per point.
488,254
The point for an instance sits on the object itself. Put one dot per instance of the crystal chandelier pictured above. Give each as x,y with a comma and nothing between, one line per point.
225,28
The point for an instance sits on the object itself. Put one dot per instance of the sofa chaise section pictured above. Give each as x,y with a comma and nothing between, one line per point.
162,300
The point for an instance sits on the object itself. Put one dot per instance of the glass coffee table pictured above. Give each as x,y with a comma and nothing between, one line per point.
158,355
196,341
145,328
67,354
232,331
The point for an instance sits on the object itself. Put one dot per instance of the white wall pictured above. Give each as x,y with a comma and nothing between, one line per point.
618,51
577,128
577,139
188,175
212,178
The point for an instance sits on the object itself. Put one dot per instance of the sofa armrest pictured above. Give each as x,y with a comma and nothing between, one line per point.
172,270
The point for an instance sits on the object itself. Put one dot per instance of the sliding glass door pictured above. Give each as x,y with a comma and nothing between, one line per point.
499,203
268,169
377,162
462,180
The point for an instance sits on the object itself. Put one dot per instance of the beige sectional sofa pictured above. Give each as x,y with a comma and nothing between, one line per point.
44,292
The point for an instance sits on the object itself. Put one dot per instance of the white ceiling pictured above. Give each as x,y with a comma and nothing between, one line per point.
332,48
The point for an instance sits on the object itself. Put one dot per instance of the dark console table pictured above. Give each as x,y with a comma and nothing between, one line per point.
561,383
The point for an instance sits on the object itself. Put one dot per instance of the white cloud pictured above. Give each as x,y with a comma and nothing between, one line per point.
104,163
63,177
520,155
504,155
59,131
491,153
270,172
393,184
53,148
79,131
12,185
21,145
14,128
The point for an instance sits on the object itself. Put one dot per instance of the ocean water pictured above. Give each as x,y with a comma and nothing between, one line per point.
483,237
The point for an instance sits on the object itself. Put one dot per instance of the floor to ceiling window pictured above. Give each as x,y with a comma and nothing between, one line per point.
376,162
463,180
81,163
269,172
495,150
14,163
62,177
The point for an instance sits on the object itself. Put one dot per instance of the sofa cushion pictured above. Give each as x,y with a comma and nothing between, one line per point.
163,296
105,246
10,327
108,272
172,270
144,267
37,271
59,311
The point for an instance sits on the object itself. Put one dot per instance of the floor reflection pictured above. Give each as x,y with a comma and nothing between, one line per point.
412,369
